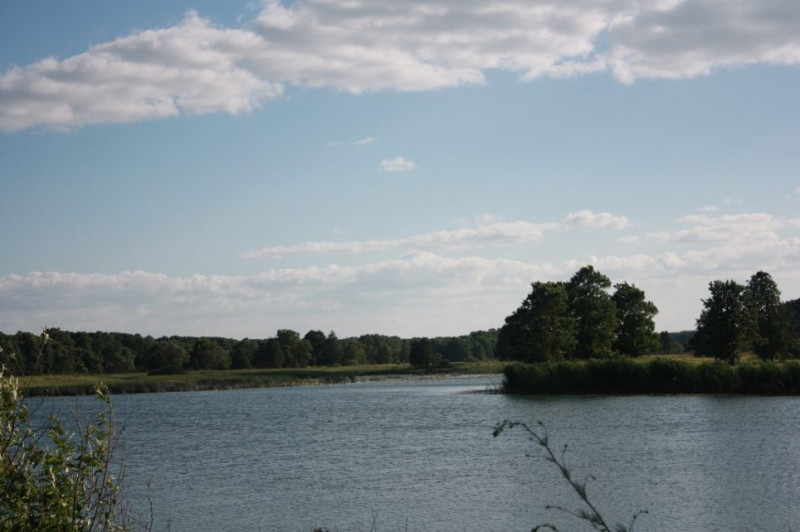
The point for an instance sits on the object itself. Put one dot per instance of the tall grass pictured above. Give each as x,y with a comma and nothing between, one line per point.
656,376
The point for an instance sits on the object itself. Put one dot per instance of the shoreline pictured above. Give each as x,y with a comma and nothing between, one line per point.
201,380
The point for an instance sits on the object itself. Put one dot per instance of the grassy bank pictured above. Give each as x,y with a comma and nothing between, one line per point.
654,375
38,385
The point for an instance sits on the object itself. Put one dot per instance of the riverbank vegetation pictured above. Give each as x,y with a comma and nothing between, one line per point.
142,382
55,479
658,375
577,338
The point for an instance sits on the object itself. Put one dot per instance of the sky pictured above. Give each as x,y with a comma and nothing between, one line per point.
372,166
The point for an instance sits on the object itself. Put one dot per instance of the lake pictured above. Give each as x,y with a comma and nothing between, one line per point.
419,455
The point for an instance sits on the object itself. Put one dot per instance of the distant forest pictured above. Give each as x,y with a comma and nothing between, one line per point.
25,353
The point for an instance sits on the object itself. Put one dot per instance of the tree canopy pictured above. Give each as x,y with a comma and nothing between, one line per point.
737,317
578,319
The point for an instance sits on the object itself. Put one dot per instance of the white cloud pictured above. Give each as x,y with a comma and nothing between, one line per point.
599,220
418,293
405,296
744,228
361,142
197,67
398,164
708,208
192,67
679,39
487,231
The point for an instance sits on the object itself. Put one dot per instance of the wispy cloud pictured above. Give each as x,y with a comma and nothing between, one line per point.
750,228
483,234
597,220
398,164
708,208
418,293
198,67
361,142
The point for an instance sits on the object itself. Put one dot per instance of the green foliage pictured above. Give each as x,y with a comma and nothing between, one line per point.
635,327
773,328
51,479
243,353
670,344
657,376
167,356
579,320
542,328
725,326
594,313
423,355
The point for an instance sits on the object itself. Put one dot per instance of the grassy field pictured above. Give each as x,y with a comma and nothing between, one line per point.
229,379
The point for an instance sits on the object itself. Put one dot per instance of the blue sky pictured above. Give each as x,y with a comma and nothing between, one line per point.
228,169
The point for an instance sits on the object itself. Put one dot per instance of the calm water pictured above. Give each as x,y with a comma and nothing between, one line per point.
421,456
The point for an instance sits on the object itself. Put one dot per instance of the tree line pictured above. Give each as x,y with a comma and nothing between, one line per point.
580,319
25,353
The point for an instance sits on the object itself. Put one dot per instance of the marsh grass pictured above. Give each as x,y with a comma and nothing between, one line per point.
118,383
654,375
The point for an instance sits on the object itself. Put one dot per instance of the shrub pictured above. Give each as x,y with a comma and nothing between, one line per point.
51,479
716,377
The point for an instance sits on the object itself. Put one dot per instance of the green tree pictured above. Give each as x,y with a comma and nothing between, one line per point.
773,329
243,353
669,345
207,354
724,326
422,354
353,352
541,328
594,313
317,340
269,354
168,356
636,331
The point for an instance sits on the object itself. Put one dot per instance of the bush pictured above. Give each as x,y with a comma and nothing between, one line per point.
716,377
51,479
670,376
624,376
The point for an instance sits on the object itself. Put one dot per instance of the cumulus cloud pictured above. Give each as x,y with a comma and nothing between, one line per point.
597,220
398,164
487,231
366,46
192,67
676,39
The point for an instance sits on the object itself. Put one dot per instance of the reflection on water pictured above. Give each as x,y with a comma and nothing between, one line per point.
420,456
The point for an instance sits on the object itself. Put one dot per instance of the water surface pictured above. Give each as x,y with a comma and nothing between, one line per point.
421,456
